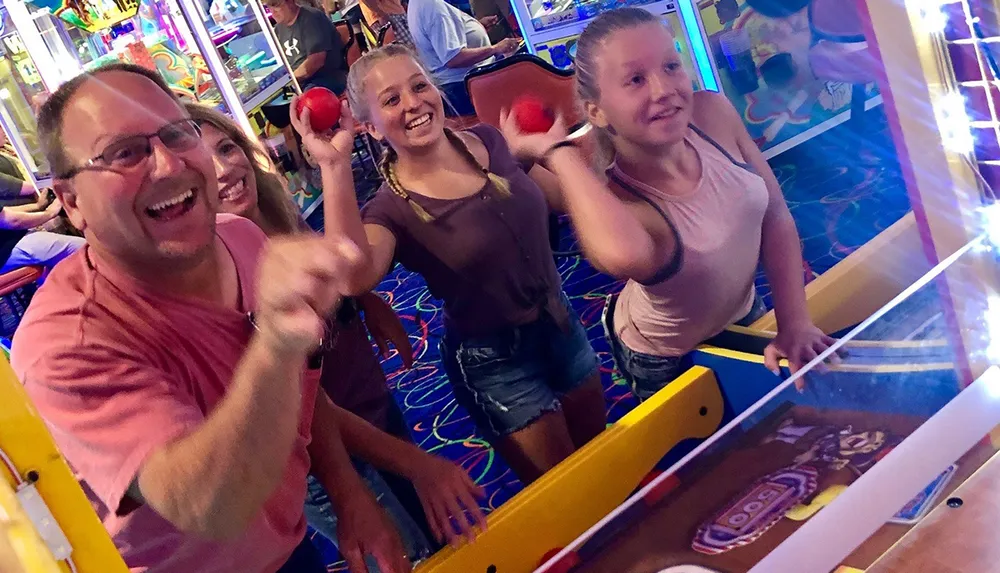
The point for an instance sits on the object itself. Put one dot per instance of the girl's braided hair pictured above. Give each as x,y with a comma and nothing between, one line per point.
362,112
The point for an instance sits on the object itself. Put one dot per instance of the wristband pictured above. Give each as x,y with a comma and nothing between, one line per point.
548,152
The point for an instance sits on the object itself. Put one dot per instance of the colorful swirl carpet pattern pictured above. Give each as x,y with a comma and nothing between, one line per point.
836,208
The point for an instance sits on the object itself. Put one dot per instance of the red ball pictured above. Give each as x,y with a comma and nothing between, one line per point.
532,115
569,561
323,106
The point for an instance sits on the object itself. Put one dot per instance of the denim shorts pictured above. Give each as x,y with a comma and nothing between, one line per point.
647,374
508,380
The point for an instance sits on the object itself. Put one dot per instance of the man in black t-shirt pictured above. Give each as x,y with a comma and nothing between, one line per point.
311,45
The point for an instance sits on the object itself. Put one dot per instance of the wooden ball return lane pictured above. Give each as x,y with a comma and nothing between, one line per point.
954,538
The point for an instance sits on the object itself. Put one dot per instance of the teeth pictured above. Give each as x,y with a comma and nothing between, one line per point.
171,202
419,121
233,190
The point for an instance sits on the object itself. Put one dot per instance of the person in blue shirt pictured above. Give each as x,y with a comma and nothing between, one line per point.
450,42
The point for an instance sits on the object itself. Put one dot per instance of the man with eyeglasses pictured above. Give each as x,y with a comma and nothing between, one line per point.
178,376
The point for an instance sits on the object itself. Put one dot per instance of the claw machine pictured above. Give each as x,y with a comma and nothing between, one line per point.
218,52
221,53
792,68
21,90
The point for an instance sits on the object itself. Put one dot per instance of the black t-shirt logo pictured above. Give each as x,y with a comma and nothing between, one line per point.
292,48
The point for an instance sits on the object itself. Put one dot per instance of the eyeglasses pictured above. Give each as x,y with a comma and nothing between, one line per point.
181,135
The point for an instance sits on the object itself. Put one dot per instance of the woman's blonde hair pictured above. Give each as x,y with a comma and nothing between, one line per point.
279,214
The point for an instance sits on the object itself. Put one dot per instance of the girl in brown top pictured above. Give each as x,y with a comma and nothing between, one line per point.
458,209
351,375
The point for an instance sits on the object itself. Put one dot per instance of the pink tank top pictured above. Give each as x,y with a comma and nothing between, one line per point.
719,225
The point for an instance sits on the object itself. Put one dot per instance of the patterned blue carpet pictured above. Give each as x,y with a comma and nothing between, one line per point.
836,208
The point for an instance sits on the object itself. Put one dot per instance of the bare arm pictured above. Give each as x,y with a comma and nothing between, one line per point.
549,184
24,217
797,339
781,250
362,526
214,481
312,64
615,235
447,493
342,218
472,56
341,215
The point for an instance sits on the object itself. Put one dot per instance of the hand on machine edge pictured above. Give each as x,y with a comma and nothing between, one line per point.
507,46
799,344
298,286
363,528
449,497
328,148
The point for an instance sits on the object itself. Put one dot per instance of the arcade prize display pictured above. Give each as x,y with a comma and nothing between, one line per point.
217,52
20,87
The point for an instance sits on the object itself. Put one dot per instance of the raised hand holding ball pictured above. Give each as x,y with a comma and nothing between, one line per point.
323,106
532,115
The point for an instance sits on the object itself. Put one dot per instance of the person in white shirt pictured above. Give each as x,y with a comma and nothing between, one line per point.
450,42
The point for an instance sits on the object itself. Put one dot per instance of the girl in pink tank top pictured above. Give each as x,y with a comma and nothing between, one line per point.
691,210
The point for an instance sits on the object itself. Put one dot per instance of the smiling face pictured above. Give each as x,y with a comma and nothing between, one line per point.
161,211
234,172
645,92
405,107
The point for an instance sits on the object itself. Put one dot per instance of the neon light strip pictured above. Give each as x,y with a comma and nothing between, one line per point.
696,36
525,31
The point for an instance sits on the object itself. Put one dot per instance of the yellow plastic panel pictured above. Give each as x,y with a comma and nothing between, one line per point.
585,487
26,440
21,550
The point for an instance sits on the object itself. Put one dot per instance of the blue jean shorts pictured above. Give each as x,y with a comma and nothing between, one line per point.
509,379
647,374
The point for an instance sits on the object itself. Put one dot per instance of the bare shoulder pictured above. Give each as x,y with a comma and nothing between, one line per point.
476,145
713,113
712,107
